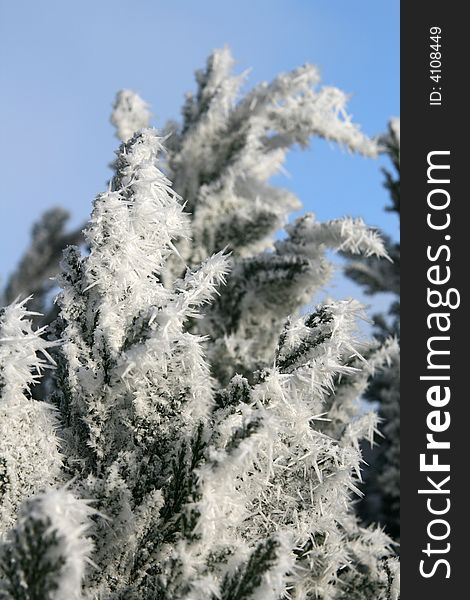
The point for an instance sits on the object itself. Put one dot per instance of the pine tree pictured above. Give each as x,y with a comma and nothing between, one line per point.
35,273
215,429
382,478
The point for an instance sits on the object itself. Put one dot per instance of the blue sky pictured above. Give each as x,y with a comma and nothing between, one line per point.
61,64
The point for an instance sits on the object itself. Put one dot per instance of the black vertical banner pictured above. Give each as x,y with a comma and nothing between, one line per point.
435,396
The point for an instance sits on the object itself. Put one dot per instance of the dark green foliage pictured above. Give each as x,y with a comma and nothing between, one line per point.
182,485
245,581
319,332
30,569
237,391
265,276
392,183
242,434
243,230
382,481
4,480
138,331
359,585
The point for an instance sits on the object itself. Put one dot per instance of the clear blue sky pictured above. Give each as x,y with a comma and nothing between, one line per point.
61,63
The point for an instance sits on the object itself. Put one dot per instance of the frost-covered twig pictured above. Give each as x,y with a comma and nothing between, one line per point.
130,113
29,453
46,554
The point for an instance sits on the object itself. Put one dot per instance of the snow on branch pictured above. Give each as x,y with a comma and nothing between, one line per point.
344,235
47,552
130,113
221,157
29,453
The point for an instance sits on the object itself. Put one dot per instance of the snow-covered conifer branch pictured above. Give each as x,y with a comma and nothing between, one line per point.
46,553
262,577
341,408
382,487
130,113
40,263
268,468
220,161
136,319
268,287
29,454
346,235
227,148
376,275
